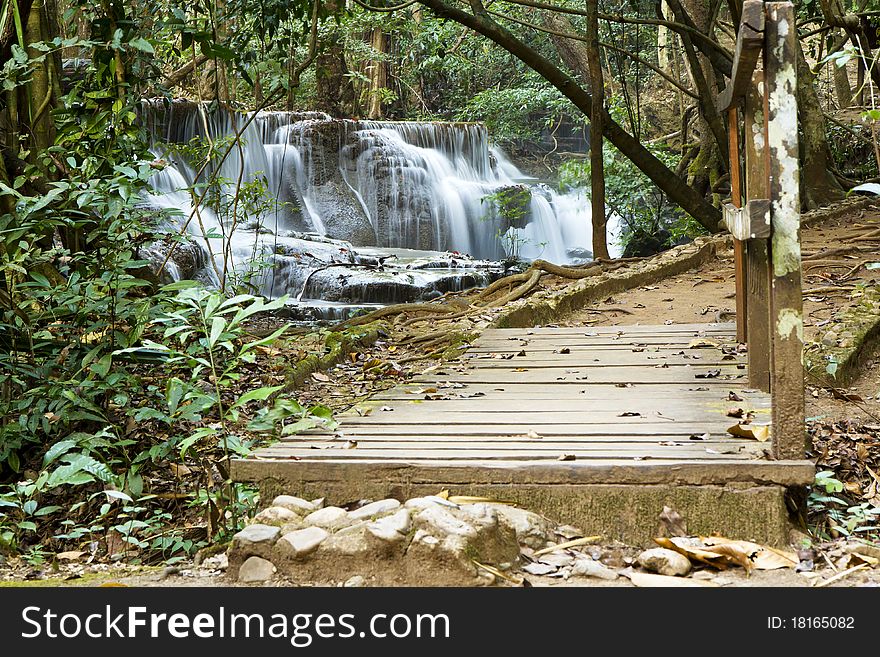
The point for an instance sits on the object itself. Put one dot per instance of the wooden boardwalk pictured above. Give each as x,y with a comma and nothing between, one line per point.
627,404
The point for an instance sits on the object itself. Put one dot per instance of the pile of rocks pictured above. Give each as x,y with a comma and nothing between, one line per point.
425,541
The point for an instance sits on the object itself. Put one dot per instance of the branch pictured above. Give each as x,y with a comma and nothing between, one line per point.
721,59
176,77
577,37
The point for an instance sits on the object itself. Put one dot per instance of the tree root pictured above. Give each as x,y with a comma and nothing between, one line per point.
519,292
843,250
395,309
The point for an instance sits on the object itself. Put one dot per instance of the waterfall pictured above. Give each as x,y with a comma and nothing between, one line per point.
352,212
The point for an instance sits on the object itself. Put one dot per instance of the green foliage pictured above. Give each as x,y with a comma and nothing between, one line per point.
86,428
836,514
517,113
647,215
509,210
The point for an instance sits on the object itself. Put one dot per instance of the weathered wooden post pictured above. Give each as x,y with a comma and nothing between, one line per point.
786,303
765,221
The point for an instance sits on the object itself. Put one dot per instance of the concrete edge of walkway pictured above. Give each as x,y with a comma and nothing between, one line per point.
551,306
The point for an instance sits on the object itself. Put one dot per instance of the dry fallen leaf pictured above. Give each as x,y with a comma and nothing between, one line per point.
692,548
320,376
71,555
650,580
702,344
759,432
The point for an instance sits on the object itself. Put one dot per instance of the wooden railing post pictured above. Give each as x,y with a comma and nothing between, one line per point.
787,375
758,263
739,246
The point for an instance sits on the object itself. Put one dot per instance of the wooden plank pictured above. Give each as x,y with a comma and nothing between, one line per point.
489,440
672,374
648,428
749,43
569,392
651,329
442,473
621,361
536,419
787,380
489,405
410,455
609,347
758,255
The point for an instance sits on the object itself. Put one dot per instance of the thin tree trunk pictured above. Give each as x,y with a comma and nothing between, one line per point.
597,164
378,74
818,184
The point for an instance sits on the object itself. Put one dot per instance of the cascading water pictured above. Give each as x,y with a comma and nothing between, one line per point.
354,212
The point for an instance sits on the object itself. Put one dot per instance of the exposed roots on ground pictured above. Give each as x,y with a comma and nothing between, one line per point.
514,287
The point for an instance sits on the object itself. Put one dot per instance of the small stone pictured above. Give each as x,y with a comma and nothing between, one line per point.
665,562
256,569
391,528
380,508
356,582
296,504
585,567
351,542
830,339
330,518
217,562
302,542
255,535
318,503
437,519
288,527
531,529
419,503
275,515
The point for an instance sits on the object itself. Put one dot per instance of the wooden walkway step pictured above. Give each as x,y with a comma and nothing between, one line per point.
609,406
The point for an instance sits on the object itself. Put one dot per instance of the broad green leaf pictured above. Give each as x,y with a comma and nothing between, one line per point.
117,495
56,450
218,324
257,395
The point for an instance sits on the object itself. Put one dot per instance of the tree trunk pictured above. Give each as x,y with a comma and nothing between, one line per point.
574,54
333,84
711,161
597,164
677,190
842,89
818,184
378,74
